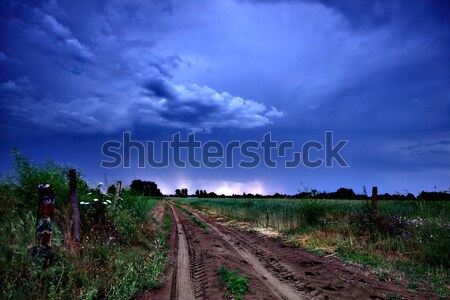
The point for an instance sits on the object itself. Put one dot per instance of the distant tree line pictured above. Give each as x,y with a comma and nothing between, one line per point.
341,193
150,188
144,188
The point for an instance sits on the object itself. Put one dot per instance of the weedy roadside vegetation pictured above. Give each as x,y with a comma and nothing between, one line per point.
236,286
122,251
191,216
406,240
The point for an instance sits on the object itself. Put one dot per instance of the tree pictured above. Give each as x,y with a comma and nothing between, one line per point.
181,193
144,188
137,187
433,196
343,193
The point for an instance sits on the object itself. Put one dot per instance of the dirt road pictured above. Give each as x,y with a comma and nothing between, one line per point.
276,271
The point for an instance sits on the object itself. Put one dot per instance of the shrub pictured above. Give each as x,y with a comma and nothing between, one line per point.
368,222
26,175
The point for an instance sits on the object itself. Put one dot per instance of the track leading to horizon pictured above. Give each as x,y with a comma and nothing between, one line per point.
276,271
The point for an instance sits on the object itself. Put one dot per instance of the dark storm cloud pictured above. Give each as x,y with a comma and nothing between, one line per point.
43,32
375,72
404,98
202,108
20,87
380,12
159,88
108,64
191,107
424,147
358,12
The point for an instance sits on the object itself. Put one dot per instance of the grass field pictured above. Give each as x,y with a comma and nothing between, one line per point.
409,238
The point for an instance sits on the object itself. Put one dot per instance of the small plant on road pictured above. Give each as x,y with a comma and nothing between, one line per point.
236,286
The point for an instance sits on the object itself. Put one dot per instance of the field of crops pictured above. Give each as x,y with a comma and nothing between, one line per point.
411,237
291,214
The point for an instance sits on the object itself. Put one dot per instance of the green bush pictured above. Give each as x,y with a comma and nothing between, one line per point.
139,206
27,175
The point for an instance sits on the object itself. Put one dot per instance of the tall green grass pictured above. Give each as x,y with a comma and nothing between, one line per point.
122,251
285,214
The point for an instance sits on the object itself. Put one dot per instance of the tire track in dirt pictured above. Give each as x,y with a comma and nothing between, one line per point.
284,271
319,277
310,276
199,277
264,261
282,289
182,282
208,251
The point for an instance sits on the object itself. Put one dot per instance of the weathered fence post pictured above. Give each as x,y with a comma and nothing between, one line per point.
374,200
46,207
118,191
76,220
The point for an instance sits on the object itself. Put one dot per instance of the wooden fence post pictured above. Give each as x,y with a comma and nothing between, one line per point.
118,192
46,207
374,200
76,220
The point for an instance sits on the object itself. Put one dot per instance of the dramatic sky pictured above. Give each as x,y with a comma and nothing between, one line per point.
75,74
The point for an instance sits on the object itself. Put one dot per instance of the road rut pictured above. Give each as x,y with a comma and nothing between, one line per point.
183,282
276,271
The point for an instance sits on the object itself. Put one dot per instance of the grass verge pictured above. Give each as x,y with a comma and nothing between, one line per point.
192,217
